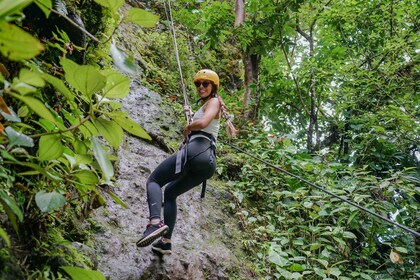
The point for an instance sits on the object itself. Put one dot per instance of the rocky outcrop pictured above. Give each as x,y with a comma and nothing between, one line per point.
205,241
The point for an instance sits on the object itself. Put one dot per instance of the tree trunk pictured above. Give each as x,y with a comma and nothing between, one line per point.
239,12
251,63
313,128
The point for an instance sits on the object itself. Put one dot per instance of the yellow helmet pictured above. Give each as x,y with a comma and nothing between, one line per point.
209,75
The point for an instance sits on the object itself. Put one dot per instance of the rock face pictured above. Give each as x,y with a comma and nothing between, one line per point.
205,239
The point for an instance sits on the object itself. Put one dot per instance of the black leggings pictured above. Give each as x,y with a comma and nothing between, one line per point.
200,166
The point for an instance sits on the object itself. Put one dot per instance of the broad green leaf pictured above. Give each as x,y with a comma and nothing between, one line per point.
379,129
102,158
141,17
132,127
113,5
22,88
49,201
58,85
278,260
17,138
315,246
71,161
297,267
23,111
17,44
117,85
37,106
78,273
308,204
299,242
335,271
351,217
10,7
401,250
38,170
4,154
117,199
365,276
320,272
323,262
110,130
50,147
83,159
11,209
31,78
88,129
46,124
86,177
80,148
349,235
10,215
10,203
4,236
86,78
122,61
45,6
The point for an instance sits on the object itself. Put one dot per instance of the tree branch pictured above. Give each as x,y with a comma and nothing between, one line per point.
76,25
294,80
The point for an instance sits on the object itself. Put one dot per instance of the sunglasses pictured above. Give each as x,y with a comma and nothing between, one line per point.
205,84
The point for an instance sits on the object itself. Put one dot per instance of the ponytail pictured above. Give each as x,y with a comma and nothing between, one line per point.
230,128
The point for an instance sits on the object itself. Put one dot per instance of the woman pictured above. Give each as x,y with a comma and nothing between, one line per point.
192,165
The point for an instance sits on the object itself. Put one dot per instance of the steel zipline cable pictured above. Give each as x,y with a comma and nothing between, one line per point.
168,11
323,190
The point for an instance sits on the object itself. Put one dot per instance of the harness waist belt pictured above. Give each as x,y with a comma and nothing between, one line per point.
207,135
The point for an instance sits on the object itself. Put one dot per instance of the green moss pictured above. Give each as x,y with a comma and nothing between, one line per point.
219,220
9,267
60,251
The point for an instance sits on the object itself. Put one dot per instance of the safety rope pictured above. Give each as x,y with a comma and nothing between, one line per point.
187,107
323,190
188,116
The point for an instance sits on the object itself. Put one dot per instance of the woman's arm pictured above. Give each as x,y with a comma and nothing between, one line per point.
211,112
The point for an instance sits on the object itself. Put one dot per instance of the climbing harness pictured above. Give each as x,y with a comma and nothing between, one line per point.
230,128
324,190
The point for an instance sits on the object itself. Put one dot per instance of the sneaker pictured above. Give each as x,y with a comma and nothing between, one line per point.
152,233
162,247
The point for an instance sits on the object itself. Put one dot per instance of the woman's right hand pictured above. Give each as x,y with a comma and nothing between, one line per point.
187,131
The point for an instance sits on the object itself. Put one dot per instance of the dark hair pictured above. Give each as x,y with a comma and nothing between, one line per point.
213,89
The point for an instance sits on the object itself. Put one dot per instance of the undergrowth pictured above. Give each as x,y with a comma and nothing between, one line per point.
295,231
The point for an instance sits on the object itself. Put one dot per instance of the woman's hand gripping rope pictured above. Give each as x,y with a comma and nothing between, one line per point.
188,117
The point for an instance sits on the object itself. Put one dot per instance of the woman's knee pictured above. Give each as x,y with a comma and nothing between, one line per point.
150,180
169,194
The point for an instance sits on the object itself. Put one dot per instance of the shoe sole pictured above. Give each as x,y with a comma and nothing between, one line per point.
152,237
160,251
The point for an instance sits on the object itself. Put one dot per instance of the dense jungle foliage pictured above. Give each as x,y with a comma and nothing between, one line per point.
333,95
